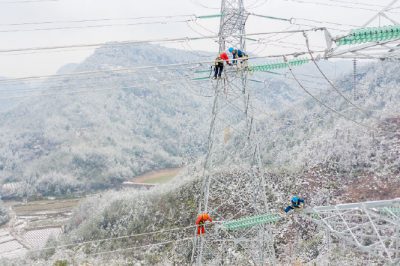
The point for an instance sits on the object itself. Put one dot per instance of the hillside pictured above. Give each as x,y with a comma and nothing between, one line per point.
89,132
318,155
93,131
9,94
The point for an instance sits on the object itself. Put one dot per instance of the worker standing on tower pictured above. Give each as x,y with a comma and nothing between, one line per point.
219,64
202,218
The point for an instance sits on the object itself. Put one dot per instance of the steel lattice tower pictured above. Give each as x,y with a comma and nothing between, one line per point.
233,177
371,227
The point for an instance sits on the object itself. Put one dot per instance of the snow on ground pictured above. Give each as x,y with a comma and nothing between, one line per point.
37,238
9,246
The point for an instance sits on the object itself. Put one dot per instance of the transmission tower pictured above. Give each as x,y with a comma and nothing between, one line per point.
233,177
371,227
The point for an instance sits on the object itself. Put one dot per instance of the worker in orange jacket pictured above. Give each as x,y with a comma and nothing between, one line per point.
200,221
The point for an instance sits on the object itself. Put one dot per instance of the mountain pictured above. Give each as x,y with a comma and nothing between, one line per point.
95,131
10,92
328,157
308,150
110,118
67,69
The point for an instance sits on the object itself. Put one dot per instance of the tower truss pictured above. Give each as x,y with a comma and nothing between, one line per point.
372,227
233,177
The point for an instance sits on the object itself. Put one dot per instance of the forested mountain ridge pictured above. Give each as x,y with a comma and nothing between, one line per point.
322,156
70,142
93,131
121,112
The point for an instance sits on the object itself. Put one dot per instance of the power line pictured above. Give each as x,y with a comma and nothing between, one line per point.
326,22
27,1
66,91
196,31
167,19
143,246
328,80
152,245
116,70
83,90
134,69
293,20
254,6
144,41
123,237
95,26
334,87
323,104
327,27
356,3
114,238
203,6
63,50
55,91
332,5
95,20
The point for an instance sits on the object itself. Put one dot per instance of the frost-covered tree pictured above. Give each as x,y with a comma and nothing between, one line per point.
4,215
136,123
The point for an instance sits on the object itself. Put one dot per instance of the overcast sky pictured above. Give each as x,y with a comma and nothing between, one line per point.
48,62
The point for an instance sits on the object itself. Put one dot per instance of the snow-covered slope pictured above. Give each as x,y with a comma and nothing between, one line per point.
121,119
308,151
94,131
10,93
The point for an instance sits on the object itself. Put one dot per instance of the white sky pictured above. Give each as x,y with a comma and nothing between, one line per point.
48,62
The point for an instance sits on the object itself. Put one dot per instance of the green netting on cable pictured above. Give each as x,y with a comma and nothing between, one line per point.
391,210
251,221
371,35
202,78
210,16
279,65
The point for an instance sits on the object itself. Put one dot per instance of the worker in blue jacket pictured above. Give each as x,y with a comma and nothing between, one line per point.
236,53
295,203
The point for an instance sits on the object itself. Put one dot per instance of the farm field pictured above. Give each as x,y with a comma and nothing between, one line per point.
157,177
33,223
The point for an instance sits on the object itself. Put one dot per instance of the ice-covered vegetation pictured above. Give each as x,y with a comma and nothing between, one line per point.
306,149
121,125
4,216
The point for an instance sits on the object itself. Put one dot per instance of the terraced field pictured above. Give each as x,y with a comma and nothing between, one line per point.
32,224
10,247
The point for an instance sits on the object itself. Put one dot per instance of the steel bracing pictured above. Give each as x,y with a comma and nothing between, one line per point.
238,189
372,227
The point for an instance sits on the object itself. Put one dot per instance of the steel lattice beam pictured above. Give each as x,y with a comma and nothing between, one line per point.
232,193
372,227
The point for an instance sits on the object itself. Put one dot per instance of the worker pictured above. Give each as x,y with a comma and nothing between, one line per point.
202,218
295,203
219,64
236,53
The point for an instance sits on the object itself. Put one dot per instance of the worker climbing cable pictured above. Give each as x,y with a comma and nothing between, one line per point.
219,64
202,218
295,204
